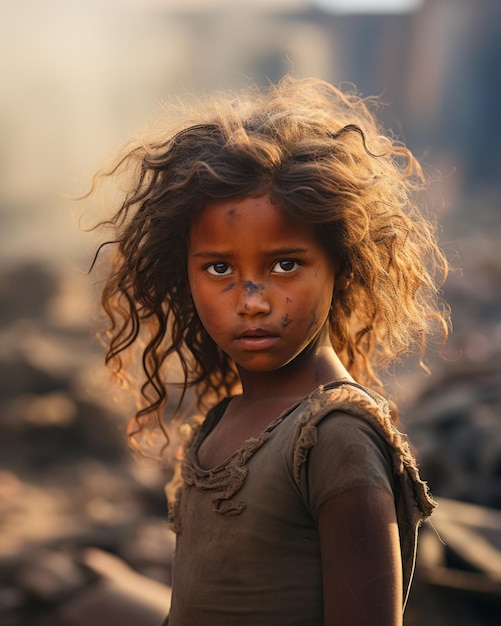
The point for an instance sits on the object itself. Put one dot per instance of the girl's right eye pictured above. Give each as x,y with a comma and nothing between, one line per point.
219,269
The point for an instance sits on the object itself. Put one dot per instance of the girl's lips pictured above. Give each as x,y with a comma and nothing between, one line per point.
256,342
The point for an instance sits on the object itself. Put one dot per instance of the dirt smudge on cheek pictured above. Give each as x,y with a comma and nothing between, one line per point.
229,287
286,321
313,321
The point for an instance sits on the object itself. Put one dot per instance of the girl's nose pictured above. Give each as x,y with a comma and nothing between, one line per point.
253,299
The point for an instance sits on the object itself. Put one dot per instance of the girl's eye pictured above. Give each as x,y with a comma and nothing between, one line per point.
219,269
285,265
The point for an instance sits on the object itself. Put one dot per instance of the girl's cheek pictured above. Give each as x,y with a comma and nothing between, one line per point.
314,321
286,320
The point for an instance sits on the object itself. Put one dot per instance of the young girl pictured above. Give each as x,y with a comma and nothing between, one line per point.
273,247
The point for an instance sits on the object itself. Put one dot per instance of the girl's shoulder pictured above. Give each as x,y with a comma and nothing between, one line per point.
345,398
339,402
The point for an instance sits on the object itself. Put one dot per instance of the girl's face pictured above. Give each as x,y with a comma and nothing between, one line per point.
262,285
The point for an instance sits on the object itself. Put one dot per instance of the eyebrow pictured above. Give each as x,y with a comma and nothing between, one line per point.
209,254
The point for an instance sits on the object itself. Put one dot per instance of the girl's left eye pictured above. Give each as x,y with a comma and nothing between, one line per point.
285,265
219,269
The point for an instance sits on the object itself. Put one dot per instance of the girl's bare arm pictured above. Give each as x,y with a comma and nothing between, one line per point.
361,563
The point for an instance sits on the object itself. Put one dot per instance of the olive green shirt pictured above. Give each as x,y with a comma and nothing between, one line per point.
248,550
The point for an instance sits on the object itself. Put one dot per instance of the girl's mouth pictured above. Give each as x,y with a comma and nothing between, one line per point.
256,339
256,343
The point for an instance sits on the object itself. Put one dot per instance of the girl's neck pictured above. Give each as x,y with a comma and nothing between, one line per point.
317,365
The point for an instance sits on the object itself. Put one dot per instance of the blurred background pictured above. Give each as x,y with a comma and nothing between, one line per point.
78,79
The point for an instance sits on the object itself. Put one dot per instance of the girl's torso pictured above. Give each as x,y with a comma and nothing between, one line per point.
248,549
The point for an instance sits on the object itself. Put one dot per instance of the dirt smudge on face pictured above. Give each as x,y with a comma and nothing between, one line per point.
285,320
253,288
313,321
231,216
229,287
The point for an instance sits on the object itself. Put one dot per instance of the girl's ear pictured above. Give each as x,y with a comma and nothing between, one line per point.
343,279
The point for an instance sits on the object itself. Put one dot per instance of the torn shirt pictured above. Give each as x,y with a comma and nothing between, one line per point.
248,549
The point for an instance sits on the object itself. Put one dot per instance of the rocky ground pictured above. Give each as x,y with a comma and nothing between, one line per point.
83,521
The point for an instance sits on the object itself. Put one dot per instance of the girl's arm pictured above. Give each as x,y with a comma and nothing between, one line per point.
361,562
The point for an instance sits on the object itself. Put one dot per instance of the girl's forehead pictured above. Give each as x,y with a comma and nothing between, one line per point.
239,206
253,229
258,216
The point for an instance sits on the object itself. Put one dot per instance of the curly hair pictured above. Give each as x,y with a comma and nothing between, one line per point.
322,155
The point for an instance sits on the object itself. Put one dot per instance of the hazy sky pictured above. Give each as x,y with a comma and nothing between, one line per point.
80,77
369,5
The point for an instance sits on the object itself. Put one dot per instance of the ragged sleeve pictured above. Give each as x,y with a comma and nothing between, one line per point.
347,454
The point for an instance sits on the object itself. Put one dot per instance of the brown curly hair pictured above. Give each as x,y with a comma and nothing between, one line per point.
321,154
